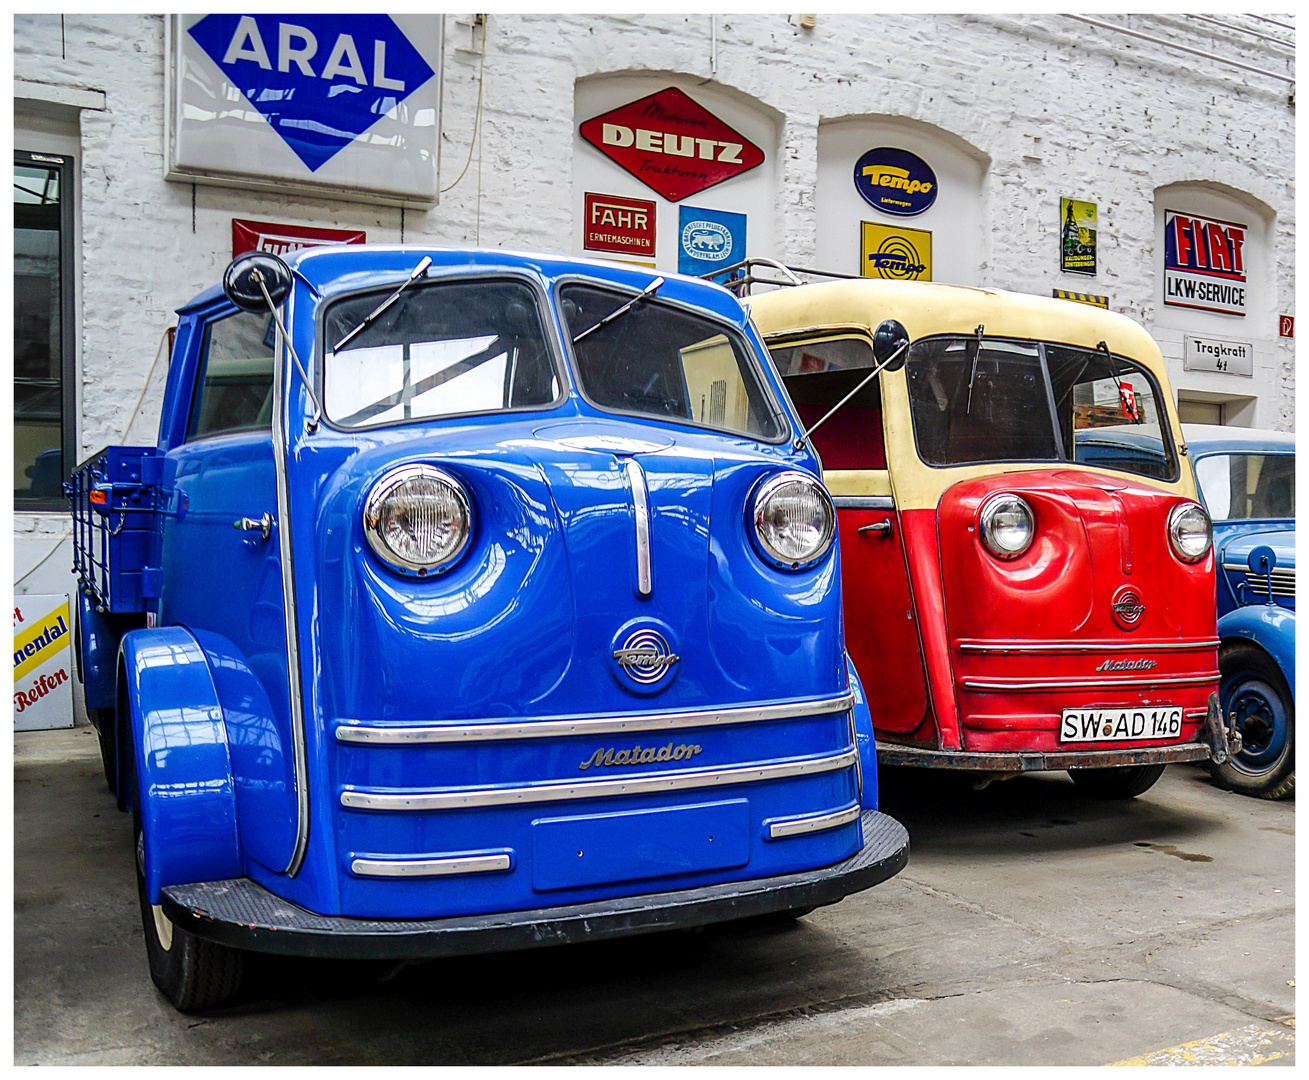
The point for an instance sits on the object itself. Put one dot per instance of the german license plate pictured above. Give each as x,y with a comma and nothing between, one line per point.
1119,725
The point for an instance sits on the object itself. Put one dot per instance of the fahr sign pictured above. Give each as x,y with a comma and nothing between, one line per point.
339,104
1204,263
671,144
616,223
284,239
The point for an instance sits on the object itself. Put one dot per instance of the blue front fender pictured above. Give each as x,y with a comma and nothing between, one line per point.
184,775
863,728
1269,626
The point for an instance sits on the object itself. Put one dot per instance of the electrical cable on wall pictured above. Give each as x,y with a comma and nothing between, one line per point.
477,117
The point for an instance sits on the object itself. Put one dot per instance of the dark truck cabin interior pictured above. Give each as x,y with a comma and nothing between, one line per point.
817,376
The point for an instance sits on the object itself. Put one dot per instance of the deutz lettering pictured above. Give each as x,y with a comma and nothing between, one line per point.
297,45
639,755
667,142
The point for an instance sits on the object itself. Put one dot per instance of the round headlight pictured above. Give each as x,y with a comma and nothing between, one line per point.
793,519
1007,526
1190,531
417,518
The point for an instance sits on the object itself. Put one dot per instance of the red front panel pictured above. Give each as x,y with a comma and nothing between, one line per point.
1035,635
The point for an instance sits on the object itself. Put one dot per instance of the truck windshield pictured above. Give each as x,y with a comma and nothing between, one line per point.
443,348
1035,401
658,360
1240,487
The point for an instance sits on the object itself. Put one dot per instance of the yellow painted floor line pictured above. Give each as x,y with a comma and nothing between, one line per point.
1252,1045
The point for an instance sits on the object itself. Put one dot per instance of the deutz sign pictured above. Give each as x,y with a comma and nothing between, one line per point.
307,100
672,144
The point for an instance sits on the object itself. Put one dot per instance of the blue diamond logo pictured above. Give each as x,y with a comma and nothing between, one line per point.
321,81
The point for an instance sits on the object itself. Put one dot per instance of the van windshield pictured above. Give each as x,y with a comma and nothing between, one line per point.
443,348
658,360
982,399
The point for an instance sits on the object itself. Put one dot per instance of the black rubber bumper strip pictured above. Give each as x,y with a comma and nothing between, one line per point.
244,915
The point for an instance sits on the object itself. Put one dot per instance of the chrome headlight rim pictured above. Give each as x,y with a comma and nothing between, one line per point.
763,492
383,488
1174,515
986,516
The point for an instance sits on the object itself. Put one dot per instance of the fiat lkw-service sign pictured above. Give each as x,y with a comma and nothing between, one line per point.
346,104
1204,263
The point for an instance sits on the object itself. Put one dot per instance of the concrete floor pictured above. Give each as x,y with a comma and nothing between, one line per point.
1032,926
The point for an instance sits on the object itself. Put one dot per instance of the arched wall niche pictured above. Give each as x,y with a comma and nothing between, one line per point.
752,193
954,220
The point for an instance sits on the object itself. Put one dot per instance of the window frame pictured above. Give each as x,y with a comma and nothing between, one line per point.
1161,403
729,329
1195,468
64,164
433,280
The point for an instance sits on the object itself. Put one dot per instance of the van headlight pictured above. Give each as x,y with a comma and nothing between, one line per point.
1007,525
1190,531
794,521
417,518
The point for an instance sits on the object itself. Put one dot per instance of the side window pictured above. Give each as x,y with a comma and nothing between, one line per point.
1244,486
234,380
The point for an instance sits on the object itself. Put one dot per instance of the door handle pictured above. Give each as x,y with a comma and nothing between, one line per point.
883,527
263,524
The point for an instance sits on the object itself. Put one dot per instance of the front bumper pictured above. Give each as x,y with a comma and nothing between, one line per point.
244,915
1217,743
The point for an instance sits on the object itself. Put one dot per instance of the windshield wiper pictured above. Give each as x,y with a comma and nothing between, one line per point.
644,294
977,353
418,272
1126,395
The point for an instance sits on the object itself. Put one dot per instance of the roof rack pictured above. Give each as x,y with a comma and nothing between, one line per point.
741,276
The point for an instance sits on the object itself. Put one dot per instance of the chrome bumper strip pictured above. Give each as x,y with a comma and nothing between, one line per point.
966,646
567,790
990,686
562,726
419,868
778,830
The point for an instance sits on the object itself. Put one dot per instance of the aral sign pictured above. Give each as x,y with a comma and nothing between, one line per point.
343,104
672,144
1204,263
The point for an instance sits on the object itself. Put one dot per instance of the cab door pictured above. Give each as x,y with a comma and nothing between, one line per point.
221,564
881,622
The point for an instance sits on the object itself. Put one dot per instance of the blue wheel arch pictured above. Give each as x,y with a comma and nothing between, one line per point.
1269,626
863,726
169,708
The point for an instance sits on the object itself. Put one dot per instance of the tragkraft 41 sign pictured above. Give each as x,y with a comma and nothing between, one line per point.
672,144
346,104
1204,263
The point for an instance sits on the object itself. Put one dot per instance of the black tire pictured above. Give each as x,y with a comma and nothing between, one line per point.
1122,782
105,722
192,973
1255,691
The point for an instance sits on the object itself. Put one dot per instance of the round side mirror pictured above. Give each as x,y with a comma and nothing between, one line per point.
242,276
891,339
1260,556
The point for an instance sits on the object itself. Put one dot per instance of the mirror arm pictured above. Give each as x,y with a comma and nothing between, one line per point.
869,378
311,425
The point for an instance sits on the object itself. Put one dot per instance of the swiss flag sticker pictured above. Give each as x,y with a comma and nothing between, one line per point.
672,144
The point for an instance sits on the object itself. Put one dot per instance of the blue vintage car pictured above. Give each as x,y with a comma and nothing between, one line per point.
500,609
1247,481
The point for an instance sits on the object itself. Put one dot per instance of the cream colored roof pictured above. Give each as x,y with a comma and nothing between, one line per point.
927,308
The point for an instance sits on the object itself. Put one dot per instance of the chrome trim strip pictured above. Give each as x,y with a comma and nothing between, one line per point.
799,826
863,502
290,617
1278,571
562,791
560,727
1195,714
1038,685
419,868
641,502
973,646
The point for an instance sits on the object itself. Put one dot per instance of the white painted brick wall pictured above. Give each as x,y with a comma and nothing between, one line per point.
1060,107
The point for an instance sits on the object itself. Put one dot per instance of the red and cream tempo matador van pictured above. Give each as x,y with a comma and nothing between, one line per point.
1028,576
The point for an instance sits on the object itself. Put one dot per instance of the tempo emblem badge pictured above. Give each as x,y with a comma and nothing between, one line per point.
1128,608
645,656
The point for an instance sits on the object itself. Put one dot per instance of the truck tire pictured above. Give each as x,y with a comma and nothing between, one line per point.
192,973
1122,782
105,721
1255,692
